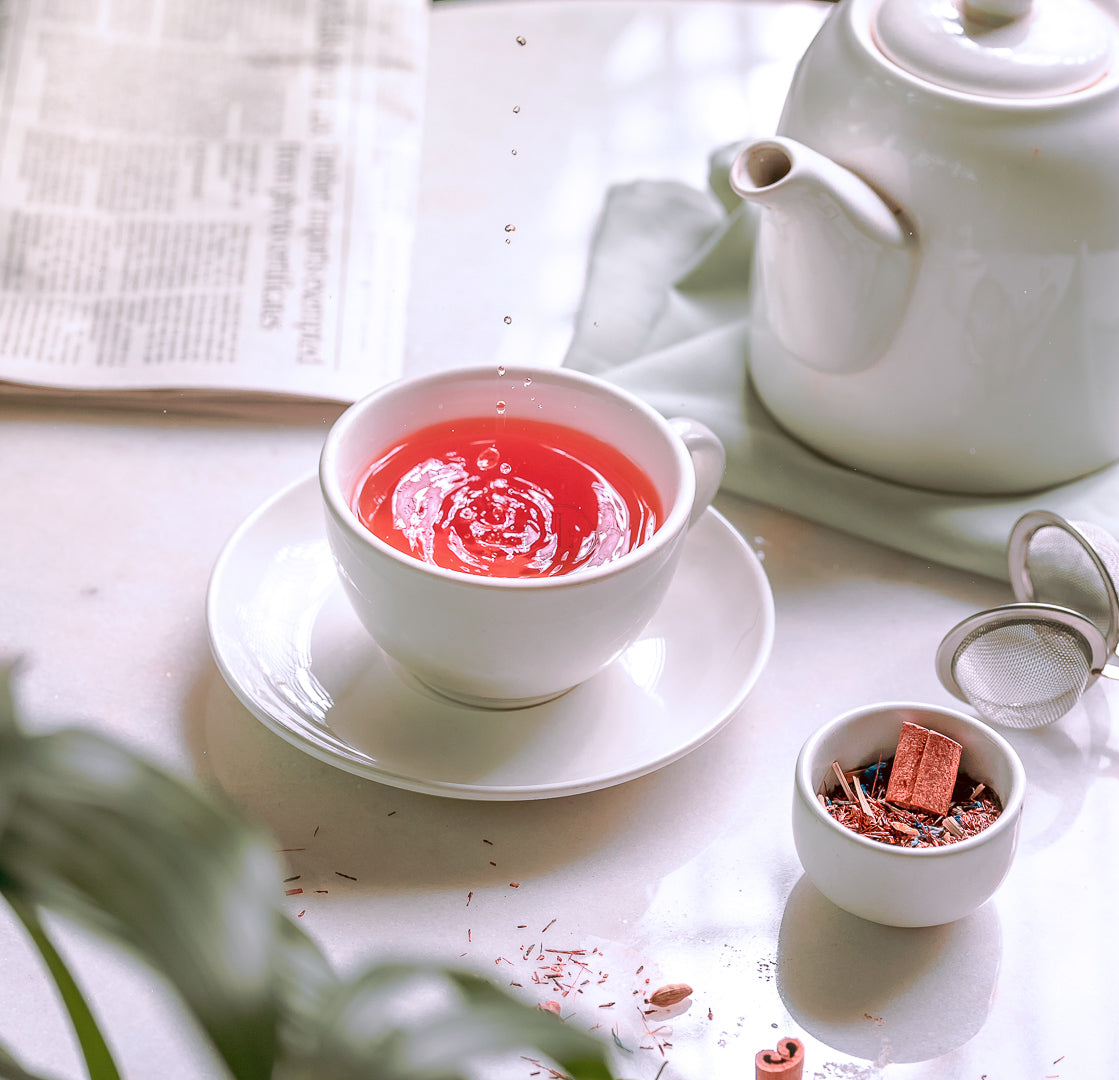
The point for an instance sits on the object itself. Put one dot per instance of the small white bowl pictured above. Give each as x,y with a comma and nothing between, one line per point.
903,886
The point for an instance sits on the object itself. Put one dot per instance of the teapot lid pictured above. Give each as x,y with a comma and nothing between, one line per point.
998,48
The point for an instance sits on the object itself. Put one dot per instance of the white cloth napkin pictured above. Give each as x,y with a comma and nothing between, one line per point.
664,315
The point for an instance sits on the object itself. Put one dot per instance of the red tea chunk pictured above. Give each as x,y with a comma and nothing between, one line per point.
924,772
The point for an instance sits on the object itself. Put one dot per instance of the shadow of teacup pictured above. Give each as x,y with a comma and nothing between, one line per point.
396,840
885,993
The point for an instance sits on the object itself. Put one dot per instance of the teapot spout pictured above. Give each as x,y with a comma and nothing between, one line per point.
835,259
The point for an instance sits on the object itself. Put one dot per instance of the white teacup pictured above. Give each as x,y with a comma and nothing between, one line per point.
502,642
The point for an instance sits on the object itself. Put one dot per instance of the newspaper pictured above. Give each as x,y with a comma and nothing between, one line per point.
209,200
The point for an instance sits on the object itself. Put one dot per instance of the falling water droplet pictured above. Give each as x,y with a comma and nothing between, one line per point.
501,408
514,153
528,380
505,467
516,108
510,228
500,369
488,458
520,40
508,319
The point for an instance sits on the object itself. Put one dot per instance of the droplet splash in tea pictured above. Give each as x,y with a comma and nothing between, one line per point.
527,499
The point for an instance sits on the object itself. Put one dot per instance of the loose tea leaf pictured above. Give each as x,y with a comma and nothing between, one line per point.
973,808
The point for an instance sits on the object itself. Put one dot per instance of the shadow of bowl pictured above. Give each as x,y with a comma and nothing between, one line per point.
885,993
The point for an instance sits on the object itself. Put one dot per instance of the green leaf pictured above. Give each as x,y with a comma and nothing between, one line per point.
8,724
99,1061
424,1022
9,736
92,832
101,837
581,1055
10,1069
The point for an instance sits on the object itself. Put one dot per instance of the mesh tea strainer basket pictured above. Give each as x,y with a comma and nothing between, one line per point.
1024,665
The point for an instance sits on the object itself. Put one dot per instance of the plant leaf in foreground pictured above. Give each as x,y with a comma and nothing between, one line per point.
92,832
99,836
98,1059
424,1022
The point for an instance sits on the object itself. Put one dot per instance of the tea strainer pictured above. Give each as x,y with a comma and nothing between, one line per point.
1073,564
1023,665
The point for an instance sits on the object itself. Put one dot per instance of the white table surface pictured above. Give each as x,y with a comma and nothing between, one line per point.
111,523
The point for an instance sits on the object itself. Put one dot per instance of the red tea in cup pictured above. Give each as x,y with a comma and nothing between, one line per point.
507,498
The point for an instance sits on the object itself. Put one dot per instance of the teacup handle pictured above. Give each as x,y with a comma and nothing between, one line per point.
709,459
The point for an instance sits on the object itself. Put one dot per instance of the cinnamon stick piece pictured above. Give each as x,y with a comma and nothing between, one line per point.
786,1062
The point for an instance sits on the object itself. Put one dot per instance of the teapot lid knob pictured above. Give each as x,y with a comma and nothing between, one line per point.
999,48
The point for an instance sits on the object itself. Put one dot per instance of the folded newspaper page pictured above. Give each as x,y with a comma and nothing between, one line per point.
208,197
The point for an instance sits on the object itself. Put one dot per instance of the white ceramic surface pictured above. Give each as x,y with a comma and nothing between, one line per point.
901,886
292,650
512,641
979,354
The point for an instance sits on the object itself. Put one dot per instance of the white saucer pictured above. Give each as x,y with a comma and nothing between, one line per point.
293,652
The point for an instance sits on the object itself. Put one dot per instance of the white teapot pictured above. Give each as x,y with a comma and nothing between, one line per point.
936,281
